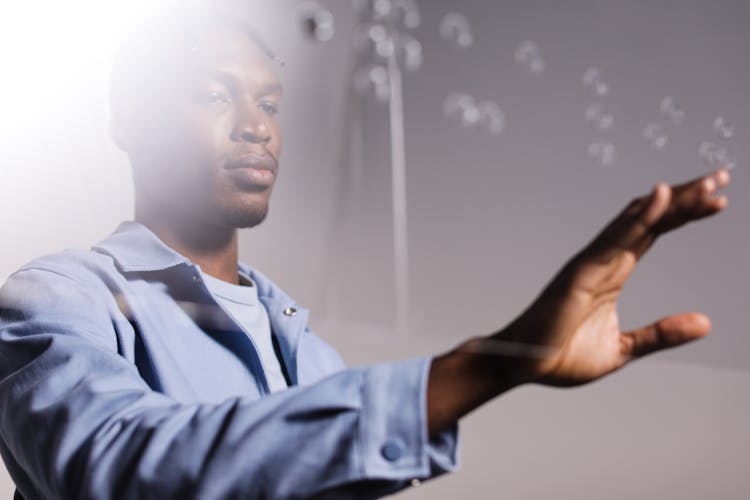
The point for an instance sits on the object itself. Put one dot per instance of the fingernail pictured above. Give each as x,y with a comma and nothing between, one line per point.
722,176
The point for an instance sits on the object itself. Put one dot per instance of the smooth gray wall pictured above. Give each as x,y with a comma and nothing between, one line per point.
490,220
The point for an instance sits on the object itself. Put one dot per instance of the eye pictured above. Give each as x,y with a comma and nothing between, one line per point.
269,108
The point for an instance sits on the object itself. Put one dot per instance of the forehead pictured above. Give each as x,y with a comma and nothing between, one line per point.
229,49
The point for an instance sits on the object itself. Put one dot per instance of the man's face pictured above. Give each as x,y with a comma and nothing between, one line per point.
213,150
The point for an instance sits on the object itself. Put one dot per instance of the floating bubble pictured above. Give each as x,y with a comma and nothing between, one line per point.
470,117
706,150
605,121
592,79
410,52
407,13
376,33
715,156
601,89
317,22
367,35
537,66
491,117
591,76
526,51
722,158
455,29
723,128
374,39
655,135
381,9
372,81
462,107
385,48
670,109
598,117
529,56
602,152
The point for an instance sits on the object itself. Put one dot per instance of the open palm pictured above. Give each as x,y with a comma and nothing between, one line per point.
575,317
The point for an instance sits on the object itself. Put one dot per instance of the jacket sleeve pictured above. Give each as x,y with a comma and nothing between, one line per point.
78,421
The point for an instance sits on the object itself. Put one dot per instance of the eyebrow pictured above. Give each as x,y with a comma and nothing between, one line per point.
231,80
272,88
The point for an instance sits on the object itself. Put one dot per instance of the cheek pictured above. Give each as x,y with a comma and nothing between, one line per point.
206,136
192,147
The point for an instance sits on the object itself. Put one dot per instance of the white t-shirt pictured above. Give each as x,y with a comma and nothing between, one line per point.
243,305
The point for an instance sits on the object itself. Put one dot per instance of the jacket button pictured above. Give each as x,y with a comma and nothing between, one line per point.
392,450
416,482
290,311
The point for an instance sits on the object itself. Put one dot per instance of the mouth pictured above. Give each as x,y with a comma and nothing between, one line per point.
252,170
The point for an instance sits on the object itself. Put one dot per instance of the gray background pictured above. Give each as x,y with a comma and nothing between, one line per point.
490,221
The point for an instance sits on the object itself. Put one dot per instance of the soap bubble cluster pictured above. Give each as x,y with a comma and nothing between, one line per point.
599,117
374,40
407,13
592,80
723,128
382,37
656,133
456,30
714,155
671,110
601,150
317,22
466,111
529,56
409,52
372,81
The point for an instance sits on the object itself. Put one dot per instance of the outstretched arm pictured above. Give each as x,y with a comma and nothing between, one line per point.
570,335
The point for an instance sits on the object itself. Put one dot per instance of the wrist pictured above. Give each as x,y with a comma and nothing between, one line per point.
501,363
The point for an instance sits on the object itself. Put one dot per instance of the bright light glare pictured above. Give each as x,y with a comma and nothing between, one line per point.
51,47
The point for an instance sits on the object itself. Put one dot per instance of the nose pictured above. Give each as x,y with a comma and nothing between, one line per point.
251,127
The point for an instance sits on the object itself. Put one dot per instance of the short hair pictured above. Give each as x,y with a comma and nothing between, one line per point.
149,51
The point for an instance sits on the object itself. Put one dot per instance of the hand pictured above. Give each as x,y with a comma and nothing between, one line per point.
575,317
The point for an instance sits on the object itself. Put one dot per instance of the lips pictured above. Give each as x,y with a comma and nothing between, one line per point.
252,161
252,171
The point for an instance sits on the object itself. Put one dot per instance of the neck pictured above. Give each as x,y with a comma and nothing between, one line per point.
213,248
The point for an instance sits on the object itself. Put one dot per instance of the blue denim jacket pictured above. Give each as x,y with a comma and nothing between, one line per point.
122,377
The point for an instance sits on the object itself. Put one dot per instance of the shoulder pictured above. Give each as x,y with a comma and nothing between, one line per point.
70,292
85,268
60,281
74,264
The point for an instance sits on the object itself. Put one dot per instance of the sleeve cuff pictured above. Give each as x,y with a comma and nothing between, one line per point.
393,430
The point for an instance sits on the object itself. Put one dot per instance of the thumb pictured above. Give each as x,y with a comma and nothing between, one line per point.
667,332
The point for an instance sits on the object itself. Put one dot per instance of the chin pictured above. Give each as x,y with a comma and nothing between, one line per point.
245,216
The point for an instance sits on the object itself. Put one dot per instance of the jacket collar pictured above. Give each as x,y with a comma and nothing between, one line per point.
135,248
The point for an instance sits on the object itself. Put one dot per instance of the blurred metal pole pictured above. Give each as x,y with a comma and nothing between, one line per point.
398,176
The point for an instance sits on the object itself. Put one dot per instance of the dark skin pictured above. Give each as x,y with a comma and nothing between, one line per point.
194,195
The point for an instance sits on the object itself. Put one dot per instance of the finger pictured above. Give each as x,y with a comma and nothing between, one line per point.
722,177
664,209
627,230
665,333
695,200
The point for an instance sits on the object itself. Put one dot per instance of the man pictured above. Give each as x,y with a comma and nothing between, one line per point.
157,366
